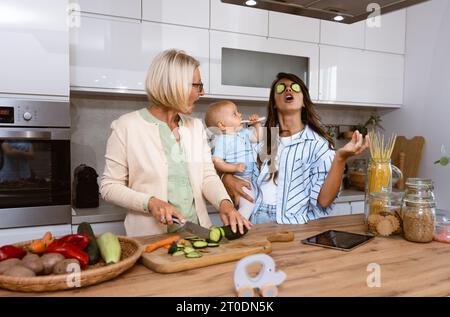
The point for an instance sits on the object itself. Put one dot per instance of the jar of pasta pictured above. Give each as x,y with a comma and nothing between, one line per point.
418,211
383,213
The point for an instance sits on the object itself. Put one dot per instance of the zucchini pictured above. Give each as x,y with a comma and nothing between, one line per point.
215,235
213,245
200,244
92,249
193,255
230,235
178,253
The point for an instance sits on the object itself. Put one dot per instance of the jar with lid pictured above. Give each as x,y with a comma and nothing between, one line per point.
418,211
383,213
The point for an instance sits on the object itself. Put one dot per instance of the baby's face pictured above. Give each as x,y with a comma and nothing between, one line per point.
232,118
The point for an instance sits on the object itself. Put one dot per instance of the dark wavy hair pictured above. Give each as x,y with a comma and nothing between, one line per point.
309,117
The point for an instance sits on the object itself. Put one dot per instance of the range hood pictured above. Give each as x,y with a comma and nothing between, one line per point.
350,11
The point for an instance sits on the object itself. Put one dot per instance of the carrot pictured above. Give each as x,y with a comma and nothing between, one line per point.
39,246
153,246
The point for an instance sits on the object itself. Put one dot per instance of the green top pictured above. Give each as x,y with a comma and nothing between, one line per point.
179,190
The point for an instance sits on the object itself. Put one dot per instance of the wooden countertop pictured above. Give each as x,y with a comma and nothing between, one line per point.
407,269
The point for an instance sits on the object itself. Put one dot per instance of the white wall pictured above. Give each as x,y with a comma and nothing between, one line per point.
426,108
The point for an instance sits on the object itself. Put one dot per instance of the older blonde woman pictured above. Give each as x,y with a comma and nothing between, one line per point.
158,162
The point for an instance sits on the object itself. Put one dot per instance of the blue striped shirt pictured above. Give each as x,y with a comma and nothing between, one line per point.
303,167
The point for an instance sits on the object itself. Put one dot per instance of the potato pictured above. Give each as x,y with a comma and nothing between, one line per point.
7,264
19,271
33,262
50,260
61,267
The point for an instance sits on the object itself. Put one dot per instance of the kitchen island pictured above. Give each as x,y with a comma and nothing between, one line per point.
407,269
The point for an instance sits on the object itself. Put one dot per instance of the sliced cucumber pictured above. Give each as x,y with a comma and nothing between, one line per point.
200,244
213,245
188,250
193,255
178,253
215,235
222,232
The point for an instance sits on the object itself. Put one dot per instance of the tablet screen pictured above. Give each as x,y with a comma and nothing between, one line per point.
338,240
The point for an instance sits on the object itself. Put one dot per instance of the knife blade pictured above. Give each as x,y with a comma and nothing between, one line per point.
193,228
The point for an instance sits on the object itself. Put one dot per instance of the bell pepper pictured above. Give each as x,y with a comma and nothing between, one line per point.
69,251
11,252
79,240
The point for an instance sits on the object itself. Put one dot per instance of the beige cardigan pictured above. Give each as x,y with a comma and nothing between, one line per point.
136,168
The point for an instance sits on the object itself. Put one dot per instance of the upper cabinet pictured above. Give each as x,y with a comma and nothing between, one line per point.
190,13
245,65
389,35
293,27
235,18
127,9
103,55
340,34
35,48
355,76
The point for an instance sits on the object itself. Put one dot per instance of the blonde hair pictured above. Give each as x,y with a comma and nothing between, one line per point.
213,113
169,79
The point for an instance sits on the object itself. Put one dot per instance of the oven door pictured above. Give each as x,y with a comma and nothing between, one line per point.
34,177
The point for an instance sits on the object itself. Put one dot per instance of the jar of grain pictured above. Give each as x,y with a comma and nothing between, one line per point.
418,211
383,213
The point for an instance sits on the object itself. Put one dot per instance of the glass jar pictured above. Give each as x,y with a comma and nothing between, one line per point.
418,211
383,213
442,227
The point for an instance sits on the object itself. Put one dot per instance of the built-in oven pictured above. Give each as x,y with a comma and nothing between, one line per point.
35,180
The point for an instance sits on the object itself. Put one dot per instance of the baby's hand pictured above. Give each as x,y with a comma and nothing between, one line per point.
240,167
253,118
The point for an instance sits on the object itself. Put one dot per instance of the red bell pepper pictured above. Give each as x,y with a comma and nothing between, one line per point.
11,252
79,240
69,251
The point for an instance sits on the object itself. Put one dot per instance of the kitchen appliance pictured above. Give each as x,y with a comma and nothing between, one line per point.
35,170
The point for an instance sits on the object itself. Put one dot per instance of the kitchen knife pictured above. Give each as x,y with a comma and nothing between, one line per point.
193,228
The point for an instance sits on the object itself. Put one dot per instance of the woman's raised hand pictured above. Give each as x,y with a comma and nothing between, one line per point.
356,146
234,187
230,216
163,211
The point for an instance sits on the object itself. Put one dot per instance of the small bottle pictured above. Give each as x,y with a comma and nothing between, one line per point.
383,213
419,210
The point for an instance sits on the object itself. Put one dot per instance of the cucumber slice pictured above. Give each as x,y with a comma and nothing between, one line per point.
213,245
178,253
222,232
200,244
188,250
215,235
193,255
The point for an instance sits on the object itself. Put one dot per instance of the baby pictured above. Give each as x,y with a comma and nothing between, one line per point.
234,150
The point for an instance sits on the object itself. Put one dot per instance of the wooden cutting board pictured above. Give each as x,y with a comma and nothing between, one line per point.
162,262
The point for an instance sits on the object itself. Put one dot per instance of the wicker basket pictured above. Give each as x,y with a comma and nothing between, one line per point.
93,274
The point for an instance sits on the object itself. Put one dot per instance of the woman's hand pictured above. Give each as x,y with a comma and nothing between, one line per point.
163,211
354,147
234,187
230,216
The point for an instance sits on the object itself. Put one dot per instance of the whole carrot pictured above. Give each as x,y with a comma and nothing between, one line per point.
153,246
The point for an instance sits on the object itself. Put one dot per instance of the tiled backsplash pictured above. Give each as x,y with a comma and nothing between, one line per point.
92,116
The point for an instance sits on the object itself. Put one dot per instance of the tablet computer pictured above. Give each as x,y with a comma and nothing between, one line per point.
340,240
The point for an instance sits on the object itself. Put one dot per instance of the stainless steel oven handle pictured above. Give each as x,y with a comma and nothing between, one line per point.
25,135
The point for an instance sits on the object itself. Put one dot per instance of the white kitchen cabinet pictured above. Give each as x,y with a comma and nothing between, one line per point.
357,207
35,48
13,235
190,13
293,27
109,54
127,9
115,227
390,35
340,34
341,209
236,18
360,77
245,65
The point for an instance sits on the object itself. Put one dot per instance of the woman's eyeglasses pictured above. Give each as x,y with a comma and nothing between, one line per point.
199,86
282,87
